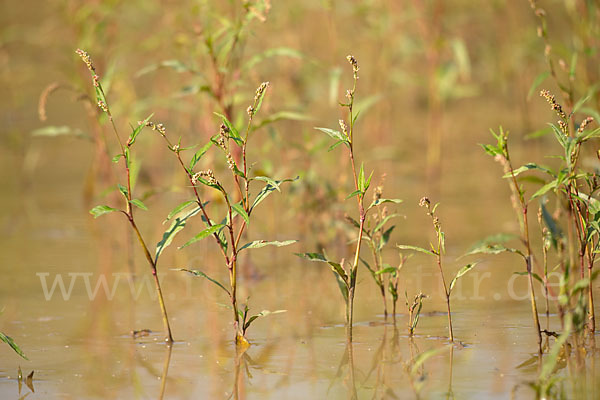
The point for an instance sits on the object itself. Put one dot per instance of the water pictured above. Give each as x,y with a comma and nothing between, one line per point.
80,344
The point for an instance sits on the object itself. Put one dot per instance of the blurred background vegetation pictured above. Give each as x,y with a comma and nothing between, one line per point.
435,76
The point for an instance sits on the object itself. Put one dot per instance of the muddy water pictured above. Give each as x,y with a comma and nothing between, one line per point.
78,338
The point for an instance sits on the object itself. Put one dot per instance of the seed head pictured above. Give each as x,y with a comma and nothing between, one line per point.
230,162
86,59
224,130
260,91
553,104
424,202
103,106
250,110
344,127
584,124
209,175
354,64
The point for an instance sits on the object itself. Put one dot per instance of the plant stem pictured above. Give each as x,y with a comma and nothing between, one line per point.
525,237
536,319
152,263
447,293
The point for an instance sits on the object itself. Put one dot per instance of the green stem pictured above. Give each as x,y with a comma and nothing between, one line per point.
152,263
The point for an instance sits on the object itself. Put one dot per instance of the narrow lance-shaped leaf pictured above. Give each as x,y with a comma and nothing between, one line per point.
262,243
544,189
101,210
139,204
176,226
204,234
384,221
415,248
239,209
179,208
382,201
337,269
263,313
337,135
267,190
533,274
137,130
233,132
460,273
385,237
196,272
9,341
198,155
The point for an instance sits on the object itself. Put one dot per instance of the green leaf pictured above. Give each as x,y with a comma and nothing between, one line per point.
356,192
492,249
281,115
527,167
415,248
544,189
525,273
384,221
175,65
198,155
270,181
337,135
493,239
385,237
9,341
263,313
257,244
270,53
361,178
123,190
382,201
338,270
239,209
559,135
312,256
460,273
59,131
336,144
234,134
267,190
137,131
196,272
101,210
138,203
387,270
205,233
537,82
116,158
176,226
180,208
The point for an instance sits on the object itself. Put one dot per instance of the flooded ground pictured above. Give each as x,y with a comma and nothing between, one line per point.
79,339
74,290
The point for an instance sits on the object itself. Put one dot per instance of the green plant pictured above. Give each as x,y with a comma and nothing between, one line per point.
9,341
229,230
438,250
377,236
127,189
414,311
520,204
346,276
